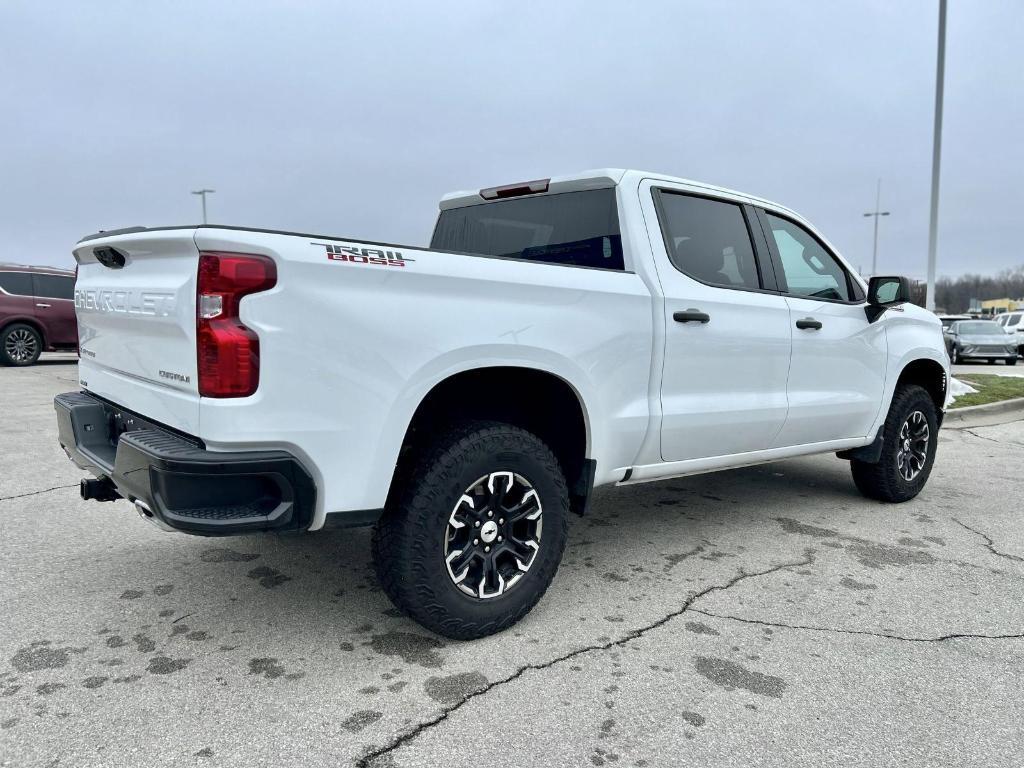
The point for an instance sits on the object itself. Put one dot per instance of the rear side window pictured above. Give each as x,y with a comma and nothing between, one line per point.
574,228
53,286
16,283
810,270
708,240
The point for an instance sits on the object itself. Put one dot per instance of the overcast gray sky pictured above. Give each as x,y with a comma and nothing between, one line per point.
353,118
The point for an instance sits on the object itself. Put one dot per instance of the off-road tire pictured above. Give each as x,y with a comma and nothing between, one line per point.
8,336
409,538
883,481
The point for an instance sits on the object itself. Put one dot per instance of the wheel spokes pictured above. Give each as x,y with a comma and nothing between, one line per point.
493,534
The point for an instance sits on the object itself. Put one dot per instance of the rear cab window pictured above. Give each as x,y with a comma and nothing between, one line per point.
708,240
579,229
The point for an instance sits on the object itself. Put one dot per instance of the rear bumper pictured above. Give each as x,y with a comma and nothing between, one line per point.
175,481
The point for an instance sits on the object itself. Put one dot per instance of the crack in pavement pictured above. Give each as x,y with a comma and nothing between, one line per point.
989,543
36,493
981,437
369,759
904,638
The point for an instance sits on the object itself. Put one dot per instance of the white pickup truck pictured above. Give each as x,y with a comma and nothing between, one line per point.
610,327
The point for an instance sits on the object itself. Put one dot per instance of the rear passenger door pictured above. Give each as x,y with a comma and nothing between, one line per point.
727,330
837,374
55,307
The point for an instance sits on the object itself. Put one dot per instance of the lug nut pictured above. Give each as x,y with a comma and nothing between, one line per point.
476,541
501,521
500,539
490,514
477,523
487,549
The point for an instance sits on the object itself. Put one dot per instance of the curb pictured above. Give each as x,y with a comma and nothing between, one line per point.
984,415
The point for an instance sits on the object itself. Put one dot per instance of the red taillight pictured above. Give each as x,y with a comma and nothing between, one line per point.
228,352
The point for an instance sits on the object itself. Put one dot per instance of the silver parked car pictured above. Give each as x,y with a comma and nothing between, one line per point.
980,339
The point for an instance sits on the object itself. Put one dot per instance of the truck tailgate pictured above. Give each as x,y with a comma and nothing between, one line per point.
135,298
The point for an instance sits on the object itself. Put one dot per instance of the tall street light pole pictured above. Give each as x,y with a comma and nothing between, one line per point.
933,223
876,213
203,193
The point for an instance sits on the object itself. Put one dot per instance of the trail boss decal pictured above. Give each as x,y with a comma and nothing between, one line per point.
353,254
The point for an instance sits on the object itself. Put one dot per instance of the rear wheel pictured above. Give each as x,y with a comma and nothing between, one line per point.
473,538
909,438
1011,361
20,344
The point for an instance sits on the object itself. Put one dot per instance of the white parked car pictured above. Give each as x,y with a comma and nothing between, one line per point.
1013,322
610,327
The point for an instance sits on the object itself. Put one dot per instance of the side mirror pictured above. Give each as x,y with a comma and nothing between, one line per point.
886,292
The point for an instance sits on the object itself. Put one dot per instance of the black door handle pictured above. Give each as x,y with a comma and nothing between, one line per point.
691,316
808,324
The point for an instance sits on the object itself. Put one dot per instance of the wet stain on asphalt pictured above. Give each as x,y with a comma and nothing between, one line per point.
412,648
454,688
223,555
266,666
132,594
115,641
271,668
163,589
268,577
731,675
144,644
47,688
871,554
701,629
693,718
359,720
854,584
164,665
94,682
41,655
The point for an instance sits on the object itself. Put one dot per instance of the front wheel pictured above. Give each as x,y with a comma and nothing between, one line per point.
1011,361
910,435
474,536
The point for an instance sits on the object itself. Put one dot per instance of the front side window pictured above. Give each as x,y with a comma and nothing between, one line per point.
709,240
53,287
1012,320
809,269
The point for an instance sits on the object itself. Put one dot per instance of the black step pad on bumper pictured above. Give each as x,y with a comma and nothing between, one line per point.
178,481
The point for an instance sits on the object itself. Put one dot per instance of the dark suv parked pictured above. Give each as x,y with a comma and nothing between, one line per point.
37,312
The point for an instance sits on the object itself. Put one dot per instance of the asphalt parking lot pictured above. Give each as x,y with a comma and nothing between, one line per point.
768,616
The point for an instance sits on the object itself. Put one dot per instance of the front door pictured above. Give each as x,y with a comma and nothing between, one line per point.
727,331
837,374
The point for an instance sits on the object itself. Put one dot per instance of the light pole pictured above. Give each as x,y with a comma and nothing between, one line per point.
203,193
933,221
876,213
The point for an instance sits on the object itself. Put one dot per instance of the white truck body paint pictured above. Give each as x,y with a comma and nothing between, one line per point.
349,350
